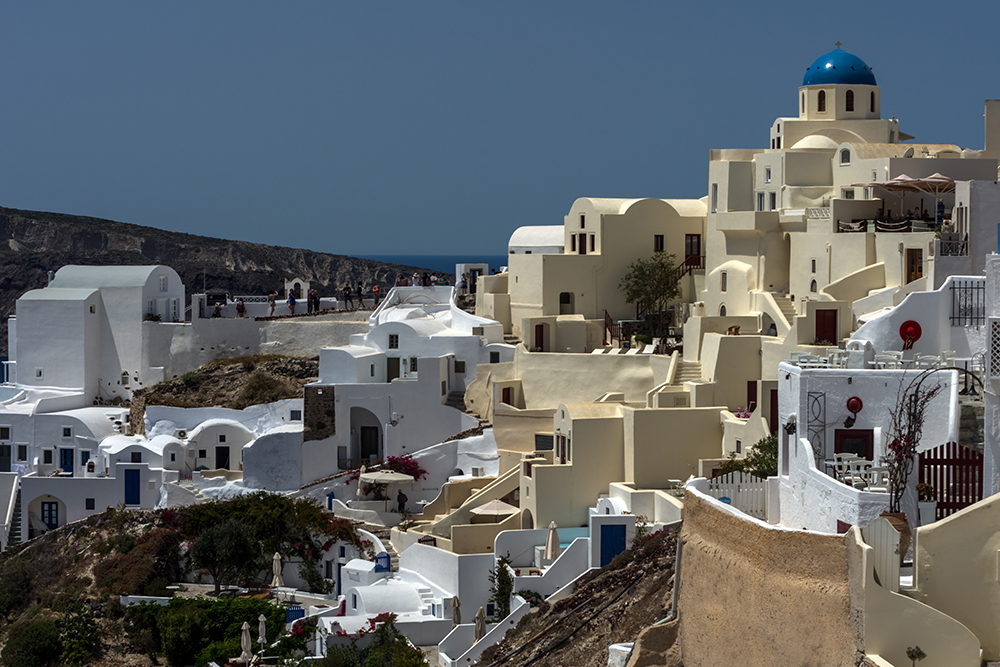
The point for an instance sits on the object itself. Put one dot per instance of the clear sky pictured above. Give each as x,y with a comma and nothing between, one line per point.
434,127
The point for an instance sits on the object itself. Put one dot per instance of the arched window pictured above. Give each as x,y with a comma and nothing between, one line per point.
850,100
722,310
812,286
803,103
873,102
845,156
821,101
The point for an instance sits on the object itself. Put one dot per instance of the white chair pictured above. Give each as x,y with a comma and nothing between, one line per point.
926,360
634,350
948,358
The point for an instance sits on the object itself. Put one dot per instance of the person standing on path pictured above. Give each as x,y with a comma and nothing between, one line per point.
291,302
347,295
270,300
401,501
376,290
361,296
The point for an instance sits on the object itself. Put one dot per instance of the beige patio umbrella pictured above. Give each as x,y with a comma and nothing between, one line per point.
246,656
480,624
456,612
386,477
262,631
277,581
495,509
552,543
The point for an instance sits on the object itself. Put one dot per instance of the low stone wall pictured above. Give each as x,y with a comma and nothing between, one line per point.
751,594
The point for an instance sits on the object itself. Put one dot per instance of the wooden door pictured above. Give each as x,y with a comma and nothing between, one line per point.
132,496
505,396
540,337
826,325
582,245
369,442
773,417
914,264
222,458
391,368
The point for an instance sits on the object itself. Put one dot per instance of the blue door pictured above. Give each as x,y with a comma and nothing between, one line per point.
131,487
66,460
50,515
612,542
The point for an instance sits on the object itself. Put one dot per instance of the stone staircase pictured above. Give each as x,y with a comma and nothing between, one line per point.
787,307
383,533
456,399
687,371
970,428
426,598
511,339
15,522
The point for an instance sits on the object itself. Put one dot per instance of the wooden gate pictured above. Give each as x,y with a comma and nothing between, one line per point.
741,490
956,473
884,541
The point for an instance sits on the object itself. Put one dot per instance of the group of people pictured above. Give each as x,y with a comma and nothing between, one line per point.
425,280
312,300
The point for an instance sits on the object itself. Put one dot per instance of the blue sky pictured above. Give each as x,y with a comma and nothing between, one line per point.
434,127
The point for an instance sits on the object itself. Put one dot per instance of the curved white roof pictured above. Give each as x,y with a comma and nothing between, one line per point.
684,207
58,294
74,276
117,443
538,237
397,597
196,431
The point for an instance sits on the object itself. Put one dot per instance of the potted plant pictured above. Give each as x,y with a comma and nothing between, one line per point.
927,503
905,428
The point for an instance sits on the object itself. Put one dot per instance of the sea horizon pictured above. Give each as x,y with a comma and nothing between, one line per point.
442,263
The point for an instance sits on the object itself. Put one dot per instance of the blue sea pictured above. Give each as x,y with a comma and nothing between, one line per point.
441,263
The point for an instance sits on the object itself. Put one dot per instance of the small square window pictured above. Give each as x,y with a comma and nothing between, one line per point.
173,456
354,600
22,452
163,283
739,446
93,308
767,174
343,552
67,432
136,457
296,415
494,357
413,365
4,432
202,454
459,366
47,456
222,437
393,341
658,243
848,193
89,503
38,373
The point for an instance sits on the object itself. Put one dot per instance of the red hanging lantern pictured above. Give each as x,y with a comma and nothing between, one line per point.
910,332
854,405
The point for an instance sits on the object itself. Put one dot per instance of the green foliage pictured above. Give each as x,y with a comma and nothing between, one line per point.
16,575
501,587
533,598
405,520
643,338
228,553
34,645
652,284
191,379
220,652
915,653
761,460
194,631
388,648
80,635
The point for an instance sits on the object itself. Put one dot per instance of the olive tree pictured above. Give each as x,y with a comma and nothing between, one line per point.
227,552
652,284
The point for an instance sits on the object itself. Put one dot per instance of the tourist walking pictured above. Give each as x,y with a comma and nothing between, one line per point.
291,302
347,295
361,296
310,301
316,301
241,308
270,301
464,285
218,310
376,290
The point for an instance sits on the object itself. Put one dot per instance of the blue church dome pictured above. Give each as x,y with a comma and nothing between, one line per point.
839,67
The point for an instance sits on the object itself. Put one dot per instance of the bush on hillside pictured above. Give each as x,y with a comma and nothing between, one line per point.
34,645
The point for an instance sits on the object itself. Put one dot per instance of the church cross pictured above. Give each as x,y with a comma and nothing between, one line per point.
837,44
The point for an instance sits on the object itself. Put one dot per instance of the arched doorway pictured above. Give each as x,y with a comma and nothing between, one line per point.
366,435
527,521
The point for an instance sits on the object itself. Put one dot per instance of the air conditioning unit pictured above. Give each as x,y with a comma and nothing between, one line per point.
181,434
477,471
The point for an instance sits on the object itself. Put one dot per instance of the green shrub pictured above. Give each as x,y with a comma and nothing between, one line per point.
81,638
35,645
261,388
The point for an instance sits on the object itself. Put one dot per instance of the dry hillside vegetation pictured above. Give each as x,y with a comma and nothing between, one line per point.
610,606
229,383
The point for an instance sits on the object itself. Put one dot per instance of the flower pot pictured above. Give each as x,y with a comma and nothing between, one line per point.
928,511
902,526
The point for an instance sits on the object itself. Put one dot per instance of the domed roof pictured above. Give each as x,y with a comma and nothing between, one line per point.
839,66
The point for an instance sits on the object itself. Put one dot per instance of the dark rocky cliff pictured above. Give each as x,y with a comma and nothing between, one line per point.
33,243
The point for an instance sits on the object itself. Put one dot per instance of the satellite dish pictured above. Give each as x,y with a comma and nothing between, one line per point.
909,152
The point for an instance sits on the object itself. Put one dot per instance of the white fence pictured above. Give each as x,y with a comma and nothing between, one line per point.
745,492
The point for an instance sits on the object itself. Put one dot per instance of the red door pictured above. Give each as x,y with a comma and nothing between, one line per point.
826,325
858,442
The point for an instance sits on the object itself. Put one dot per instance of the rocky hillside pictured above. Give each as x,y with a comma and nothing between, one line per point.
229,383
34,243
609,606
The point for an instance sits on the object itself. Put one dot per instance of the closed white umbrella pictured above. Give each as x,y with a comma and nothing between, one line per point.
456,612
360,485
552,543
277,581
246,656
262,630
480,624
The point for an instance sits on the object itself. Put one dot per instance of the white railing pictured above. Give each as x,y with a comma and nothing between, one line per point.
818,212
743,491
